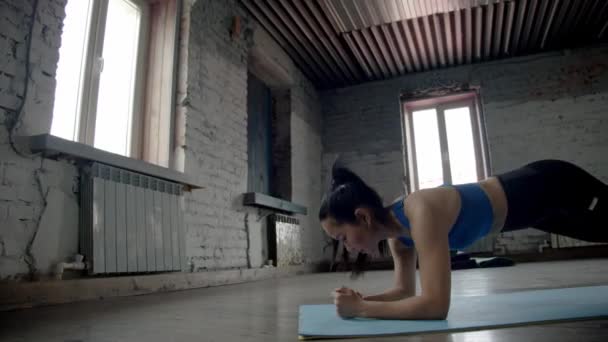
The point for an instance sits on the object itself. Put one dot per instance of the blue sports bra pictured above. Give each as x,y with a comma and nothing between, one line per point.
474,220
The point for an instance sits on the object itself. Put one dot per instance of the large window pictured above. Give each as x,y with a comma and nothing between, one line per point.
444,141
112,90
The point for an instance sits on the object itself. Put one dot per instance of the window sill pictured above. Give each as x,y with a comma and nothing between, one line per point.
256,199
53,147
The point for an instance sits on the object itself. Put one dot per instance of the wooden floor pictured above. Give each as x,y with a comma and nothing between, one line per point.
268,310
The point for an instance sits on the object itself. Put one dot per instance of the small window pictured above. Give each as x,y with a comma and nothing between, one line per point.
109,49
444,141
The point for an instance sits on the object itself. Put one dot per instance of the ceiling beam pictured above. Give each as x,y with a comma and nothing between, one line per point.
298,57
315,38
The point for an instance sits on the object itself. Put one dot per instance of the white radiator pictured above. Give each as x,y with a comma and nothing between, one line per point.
130,222
560,241
288,240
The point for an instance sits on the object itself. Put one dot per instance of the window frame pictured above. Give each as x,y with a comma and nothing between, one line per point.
159,124
89,89
441,104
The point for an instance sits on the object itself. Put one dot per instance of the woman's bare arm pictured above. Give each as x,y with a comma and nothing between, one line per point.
430,235
404,259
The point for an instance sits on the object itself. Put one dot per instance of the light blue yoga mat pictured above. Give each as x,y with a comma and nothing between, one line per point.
466,313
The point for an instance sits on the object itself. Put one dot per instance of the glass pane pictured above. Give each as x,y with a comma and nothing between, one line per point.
463,163
117,80
70,69
428,150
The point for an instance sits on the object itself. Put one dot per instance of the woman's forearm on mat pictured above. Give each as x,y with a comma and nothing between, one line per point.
418,307
390,295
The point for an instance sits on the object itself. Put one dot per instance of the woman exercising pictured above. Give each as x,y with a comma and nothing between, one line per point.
550,195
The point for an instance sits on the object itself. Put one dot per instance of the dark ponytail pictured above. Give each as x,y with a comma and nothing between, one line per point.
346,193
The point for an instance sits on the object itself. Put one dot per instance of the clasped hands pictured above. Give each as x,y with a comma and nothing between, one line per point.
348,302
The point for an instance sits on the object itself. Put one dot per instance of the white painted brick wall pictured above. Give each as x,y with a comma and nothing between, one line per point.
543,106
305,141
214,100
306,166
216,138
20,200
216,142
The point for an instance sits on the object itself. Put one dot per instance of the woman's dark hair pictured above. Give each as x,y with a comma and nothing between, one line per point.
346,193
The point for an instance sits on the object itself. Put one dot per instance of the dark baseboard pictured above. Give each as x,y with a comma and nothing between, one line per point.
548,254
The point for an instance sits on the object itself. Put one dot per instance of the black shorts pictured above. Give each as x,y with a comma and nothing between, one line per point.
558,197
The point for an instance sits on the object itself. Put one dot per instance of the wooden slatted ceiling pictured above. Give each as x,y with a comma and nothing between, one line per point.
338,43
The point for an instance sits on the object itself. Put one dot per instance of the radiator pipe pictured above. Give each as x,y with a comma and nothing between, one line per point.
77,264
543,245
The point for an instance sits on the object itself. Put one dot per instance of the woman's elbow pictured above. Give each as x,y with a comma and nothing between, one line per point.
439,314
438,310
